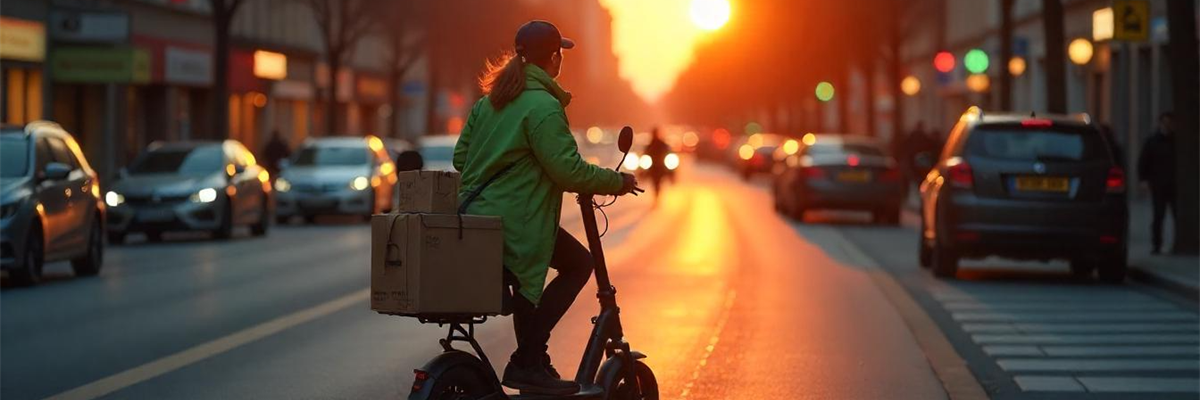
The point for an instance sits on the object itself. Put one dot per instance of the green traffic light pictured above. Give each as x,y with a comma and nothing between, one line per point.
976,61
824,91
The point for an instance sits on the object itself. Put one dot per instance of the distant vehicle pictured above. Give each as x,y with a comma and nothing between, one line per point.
50,207
190,186
336,176
756,155
437,151
1025,187
830,171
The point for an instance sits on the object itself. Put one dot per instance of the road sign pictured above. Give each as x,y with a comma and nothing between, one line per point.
1131,20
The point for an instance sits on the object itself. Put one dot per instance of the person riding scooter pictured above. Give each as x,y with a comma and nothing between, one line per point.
657,150
517,155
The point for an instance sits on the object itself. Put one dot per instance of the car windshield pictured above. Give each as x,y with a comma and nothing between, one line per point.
331,155
843,149
1035,144
198,160
14,154
437,153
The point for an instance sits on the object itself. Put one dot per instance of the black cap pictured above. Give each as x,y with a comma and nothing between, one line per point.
537,40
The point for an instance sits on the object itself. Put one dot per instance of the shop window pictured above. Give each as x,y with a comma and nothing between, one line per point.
14,88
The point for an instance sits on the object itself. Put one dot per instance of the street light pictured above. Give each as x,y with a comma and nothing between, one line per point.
824,91
1080,51
1016,66
910,85
978,83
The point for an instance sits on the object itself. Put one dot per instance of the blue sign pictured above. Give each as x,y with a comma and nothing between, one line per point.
1020,46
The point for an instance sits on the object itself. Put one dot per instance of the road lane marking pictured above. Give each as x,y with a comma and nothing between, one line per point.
1048,384
1079,328
161,366
1139,384
1073,317
1085,339
1086,351
1042,307
712,343
1093,364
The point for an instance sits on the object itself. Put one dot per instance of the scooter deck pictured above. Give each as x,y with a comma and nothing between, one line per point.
588,392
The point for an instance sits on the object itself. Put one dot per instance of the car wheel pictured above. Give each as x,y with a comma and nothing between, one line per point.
116,238
90,263
944,261
1082,267
264,219
31,272
225,230
1112,269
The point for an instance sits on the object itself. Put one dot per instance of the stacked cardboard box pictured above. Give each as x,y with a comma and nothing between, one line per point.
428,261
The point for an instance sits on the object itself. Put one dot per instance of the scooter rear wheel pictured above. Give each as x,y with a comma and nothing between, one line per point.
461,383
616,386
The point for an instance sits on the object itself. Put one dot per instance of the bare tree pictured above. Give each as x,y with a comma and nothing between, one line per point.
1056,57
1185,64
342,24
402,27
223,12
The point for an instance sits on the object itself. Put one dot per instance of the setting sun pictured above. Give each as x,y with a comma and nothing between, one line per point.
710,14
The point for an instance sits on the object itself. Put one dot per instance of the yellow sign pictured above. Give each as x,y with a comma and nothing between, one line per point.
22,40
1131,20
270,65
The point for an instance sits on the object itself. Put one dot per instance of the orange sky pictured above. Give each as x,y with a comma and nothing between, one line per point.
654,40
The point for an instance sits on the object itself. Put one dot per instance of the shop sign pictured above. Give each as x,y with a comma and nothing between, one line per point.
1131,21
100,65
89,26
270,65
22,40
371,89
187,67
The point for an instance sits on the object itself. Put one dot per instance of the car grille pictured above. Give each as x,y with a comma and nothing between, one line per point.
317,188
142,200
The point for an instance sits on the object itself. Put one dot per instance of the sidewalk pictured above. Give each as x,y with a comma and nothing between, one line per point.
1177,273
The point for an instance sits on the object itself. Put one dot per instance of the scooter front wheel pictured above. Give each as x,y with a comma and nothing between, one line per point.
617,386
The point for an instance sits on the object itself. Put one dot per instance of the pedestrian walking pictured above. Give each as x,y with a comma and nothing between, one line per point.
1156,172
276,150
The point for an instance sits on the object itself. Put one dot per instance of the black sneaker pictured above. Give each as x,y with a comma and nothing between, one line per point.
549,367
536,380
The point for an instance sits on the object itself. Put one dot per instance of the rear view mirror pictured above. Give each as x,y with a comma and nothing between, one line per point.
56,171
625,140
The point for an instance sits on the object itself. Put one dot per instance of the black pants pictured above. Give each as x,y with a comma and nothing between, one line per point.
534,323
1163,198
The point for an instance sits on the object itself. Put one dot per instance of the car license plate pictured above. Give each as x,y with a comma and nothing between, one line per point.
317,203
158,215
854,176
1042,184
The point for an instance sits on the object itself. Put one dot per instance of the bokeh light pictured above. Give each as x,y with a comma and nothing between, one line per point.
944,62
910,85
976,61
595,135
645,162
721,138
1080,51
824,91
791,146
690,139
978,83
809,139
709,15
752,128
671,161
630,162
1016,66
745,152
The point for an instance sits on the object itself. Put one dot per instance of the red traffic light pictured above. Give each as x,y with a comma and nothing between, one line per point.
943,62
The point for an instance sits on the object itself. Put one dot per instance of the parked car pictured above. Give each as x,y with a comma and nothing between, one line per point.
756,154
1025,187
336,176
50,206
437,151
843,172
190,186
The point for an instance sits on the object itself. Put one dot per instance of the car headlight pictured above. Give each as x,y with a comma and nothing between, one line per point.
113,199
206,195
282,185
671,161
9,209
360,183
630,162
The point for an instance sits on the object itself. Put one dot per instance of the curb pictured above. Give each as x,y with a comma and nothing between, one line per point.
1145,276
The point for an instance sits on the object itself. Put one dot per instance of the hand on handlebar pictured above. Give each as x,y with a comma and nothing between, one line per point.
629,184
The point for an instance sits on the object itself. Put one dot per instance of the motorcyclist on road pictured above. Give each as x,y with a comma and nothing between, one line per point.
517,136
657,150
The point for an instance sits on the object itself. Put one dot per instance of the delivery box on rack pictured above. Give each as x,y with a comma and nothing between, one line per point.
433,192
432,264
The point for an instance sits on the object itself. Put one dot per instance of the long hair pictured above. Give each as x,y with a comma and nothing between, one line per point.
503,80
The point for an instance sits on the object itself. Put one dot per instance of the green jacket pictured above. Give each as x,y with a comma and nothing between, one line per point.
532,132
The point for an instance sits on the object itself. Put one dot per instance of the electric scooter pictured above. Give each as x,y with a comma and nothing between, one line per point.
609,369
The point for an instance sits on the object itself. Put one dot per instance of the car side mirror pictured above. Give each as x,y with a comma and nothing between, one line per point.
625,140
56,171
924,161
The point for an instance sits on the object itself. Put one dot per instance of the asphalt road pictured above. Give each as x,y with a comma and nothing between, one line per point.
728,299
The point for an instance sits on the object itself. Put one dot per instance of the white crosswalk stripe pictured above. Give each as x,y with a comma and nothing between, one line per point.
1084,339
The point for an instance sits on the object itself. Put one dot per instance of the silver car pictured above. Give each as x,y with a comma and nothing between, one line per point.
193,186
336,176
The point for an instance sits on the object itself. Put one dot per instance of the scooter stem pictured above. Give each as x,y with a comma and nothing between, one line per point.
588,211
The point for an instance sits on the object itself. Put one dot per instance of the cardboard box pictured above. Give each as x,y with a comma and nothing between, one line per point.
421,266
434,192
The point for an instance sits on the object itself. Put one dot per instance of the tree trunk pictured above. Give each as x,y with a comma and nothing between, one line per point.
219,100
1056,63
331,102
1185,64
1006,54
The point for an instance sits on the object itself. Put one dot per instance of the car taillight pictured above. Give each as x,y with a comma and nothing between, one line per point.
890,175
959,173
1116,180
813,173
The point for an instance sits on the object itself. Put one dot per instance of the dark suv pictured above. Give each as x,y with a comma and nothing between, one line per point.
50,206
1025,187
